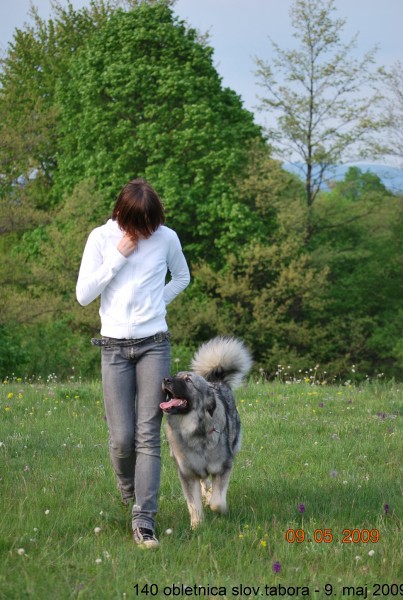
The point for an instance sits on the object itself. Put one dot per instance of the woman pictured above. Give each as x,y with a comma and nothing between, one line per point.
126,262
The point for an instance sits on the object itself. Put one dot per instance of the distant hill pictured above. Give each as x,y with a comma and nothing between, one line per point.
391,177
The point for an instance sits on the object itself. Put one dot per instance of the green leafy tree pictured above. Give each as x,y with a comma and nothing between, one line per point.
40,315
357,184
39,269
37,61
269,293
318,89
358,231
144,99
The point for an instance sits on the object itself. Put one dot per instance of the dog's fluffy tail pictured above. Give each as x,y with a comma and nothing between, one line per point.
223,359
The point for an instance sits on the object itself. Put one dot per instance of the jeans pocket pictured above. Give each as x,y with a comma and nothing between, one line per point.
109,354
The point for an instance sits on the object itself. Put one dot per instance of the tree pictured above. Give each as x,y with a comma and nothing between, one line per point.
323,99
270,293
38,273
357,185
143,99
37,60
358,236
393,110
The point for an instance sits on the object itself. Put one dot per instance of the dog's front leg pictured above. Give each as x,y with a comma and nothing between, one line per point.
192,491
218,501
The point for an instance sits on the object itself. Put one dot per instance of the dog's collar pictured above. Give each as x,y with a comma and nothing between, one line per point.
214,429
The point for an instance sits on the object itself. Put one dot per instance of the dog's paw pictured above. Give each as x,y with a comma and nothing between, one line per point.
196,521
196,517
219,507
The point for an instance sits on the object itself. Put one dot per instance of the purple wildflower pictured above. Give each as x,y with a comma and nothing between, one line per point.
301,508
386,508
321,405
276,567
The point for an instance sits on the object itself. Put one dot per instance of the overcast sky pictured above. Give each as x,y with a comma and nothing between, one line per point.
239,31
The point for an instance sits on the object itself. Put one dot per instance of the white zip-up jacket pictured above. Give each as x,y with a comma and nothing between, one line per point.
133,289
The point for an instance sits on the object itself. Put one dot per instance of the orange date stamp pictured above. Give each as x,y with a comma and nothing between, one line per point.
327,536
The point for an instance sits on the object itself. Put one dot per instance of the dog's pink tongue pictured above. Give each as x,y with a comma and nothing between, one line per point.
171,403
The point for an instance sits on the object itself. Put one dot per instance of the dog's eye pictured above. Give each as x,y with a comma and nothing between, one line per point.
188,379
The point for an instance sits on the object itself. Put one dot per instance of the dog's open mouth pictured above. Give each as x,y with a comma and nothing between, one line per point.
173,403
177,403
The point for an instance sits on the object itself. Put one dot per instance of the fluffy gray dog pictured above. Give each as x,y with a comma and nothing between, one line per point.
203,425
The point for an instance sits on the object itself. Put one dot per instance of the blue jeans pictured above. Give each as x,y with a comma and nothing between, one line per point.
132,386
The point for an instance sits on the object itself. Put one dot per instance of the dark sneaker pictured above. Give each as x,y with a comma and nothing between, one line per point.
145,538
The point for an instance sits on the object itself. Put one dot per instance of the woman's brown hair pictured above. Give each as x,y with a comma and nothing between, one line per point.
138,209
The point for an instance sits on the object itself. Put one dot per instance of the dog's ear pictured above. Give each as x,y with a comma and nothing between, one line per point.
210,403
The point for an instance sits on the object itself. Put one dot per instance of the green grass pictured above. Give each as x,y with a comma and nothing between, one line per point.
334,450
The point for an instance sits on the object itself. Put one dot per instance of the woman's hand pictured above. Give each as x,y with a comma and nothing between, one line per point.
126,245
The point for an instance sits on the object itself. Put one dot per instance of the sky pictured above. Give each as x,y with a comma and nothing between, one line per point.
239,30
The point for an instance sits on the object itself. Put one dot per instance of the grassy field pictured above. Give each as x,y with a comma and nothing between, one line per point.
315,500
